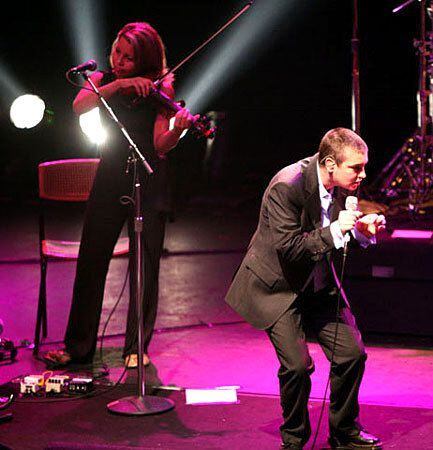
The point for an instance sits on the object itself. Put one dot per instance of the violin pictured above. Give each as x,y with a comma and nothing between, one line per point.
201,126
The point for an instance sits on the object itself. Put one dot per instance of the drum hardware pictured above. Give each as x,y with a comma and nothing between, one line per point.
409,173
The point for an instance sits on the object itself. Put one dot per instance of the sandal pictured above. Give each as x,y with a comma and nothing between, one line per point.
131,361
58,357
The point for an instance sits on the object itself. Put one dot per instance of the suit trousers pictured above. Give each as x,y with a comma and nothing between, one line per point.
104,219
317,313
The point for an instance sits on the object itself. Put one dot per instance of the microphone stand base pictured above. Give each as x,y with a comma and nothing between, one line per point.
140,406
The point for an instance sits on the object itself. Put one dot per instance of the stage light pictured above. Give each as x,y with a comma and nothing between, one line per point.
90,123
27,111
240,46
10,88
84,23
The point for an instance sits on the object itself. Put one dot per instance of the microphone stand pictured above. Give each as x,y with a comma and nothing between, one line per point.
144,404
140,404
356,107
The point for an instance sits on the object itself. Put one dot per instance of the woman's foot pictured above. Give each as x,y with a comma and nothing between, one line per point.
131,361
58,357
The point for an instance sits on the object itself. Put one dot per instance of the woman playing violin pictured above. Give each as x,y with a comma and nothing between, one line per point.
137,59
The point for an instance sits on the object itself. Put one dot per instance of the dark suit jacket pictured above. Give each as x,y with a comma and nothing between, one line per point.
288,243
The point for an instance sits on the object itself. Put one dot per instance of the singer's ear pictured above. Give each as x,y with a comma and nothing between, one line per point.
330,164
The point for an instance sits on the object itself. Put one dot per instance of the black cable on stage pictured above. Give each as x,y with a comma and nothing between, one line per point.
113,310
7,403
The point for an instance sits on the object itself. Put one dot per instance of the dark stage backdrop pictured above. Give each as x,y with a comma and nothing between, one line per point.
277,104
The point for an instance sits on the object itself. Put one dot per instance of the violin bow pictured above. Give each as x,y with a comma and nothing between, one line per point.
210,39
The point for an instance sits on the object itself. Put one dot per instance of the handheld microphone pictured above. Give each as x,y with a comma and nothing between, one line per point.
351,204
88,65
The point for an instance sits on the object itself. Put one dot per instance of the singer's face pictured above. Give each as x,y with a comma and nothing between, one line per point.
351,171
122,59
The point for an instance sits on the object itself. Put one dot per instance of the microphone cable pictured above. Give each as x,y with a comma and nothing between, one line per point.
334,343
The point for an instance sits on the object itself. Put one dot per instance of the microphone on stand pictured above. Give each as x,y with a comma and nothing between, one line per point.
88,65
351,204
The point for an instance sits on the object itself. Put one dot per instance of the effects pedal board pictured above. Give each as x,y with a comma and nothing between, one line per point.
55,385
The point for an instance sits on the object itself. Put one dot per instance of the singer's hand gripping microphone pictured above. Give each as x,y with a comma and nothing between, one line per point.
351,204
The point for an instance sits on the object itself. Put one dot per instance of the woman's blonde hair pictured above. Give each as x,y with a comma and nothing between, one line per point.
149,50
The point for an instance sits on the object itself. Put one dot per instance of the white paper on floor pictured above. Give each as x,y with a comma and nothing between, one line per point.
223,394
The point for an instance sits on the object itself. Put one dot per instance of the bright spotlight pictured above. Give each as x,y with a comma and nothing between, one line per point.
90,123
84,24
9,85
27,111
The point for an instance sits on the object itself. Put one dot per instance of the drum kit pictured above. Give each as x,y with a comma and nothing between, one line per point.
408,177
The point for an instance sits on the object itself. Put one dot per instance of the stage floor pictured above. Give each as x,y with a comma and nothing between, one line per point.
200,343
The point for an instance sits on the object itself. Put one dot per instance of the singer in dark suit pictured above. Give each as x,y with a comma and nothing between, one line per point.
287,284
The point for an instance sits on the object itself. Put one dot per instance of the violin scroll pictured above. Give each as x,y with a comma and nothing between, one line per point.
202,127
